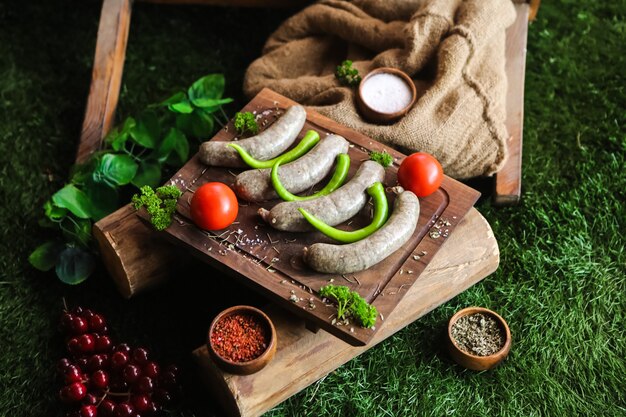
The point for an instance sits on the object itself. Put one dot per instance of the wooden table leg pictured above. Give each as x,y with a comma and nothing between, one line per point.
508,181
106,75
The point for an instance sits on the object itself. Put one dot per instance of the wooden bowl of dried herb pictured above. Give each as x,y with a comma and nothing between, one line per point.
478,338
242,340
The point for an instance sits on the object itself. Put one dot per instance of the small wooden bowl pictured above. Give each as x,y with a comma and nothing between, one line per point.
475,362
379,117
254,365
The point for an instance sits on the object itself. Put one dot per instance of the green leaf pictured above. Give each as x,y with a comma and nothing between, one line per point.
201,124
206,88
167,146
149,173
147,130
45,256
183,123
74,265
104,198
211,104
183,106
180,146
53,212
77,230
80,173
74,200
118,139
115,169
175,98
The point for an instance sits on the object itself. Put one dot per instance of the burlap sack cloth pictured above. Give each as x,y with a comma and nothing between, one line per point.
453,49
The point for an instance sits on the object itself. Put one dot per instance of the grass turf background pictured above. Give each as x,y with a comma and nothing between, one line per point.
562,276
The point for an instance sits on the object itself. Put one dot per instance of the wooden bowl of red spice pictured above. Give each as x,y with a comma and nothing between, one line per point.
242,340
478,338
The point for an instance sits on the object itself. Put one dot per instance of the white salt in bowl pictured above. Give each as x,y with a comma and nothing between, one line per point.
385,95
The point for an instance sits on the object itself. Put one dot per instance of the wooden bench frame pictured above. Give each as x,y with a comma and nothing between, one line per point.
111,52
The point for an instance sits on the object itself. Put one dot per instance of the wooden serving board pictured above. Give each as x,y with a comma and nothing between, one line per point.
270,261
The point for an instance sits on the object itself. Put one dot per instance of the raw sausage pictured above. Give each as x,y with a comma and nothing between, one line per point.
296,176
266,145
357,256
337,207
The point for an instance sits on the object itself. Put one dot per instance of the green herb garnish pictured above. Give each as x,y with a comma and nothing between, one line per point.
160,204
246,122
350,304
346,74
382,158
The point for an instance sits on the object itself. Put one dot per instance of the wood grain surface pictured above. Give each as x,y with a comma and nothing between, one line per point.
106,76
508,183
270,261
302,357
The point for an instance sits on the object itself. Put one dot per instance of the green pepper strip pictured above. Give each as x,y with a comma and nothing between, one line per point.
309,140
381,212
339,176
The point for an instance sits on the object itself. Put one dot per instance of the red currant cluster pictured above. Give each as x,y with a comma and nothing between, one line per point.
106,380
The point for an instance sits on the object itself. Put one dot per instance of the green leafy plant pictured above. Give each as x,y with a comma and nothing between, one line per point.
160,204
346,74
350,304
382,158
138,153
246,122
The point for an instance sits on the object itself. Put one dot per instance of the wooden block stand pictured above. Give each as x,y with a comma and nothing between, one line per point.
470,254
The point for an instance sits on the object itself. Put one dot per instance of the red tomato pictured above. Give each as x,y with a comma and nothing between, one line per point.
214,206
420,173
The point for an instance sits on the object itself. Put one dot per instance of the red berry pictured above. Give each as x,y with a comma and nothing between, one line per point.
66,322
106,408
88,411
100,379
86,343
117,384
131,373
86,314
119,360
140,355
79,326
90,399
122,347
103,344
124,410
74,392
145,385
151,369
82,363
95,362
62,365
97,323
141,403
73,346
162,396
73,374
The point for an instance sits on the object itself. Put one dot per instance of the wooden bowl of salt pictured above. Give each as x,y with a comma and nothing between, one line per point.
385,95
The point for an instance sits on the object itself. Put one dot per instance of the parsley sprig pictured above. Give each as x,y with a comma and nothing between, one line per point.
346,74
159,203
382,158
350,304
246,122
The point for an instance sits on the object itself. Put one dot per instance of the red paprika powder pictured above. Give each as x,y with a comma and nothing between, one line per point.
240,337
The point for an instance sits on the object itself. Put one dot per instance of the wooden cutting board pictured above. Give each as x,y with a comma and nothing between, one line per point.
270,261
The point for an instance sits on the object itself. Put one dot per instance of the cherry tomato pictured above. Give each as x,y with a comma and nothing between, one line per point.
214,206
420,173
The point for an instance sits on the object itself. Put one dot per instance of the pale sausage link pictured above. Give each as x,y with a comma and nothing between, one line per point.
334,208
266,145
354,257
296,176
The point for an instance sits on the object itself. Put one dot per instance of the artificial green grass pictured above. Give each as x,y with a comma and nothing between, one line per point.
562,275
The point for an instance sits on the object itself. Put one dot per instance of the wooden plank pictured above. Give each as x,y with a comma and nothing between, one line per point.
235,3
470,254
508,183
106,75
270,261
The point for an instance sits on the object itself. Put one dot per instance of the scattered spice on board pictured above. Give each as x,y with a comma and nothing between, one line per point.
478,334
240,337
